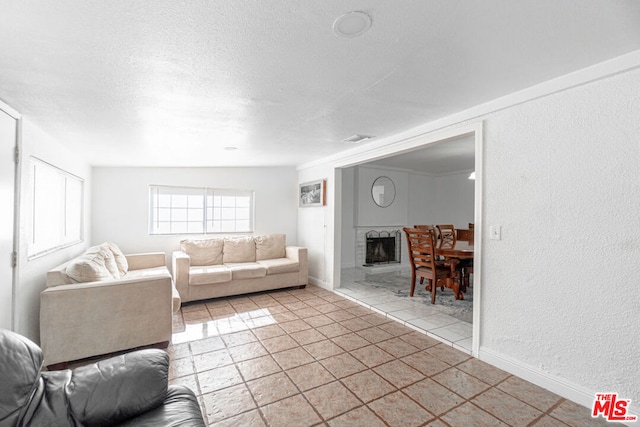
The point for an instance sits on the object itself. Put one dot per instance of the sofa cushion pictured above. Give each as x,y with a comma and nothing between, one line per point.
203,252
204,275
280,265
239,249
91,266
121,260
246,270
270,246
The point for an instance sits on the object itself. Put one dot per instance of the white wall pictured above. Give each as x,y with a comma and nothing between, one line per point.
561,175
316,227
370,214
348,235
31,274
121,202
446,199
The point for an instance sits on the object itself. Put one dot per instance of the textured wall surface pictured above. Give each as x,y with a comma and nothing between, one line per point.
560,290
121,202
32,273
560,295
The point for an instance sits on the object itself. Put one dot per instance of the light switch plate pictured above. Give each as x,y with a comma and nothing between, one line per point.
495,232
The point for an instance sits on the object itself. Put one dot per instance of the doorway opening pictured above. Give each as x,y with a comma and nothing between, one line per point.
445,194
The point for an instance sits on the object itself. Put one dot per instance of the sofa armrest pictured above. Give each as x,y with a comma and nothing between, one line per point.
180,264
146,260
89,319
116,389
299,254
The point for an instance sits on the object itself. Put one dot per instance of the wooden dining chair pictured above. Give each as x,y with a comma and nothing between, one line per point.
466,235
446,235
429,226
421,246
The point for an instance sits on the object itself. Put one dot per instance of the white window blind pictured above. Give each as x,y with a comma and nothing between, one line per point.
56,208
187,210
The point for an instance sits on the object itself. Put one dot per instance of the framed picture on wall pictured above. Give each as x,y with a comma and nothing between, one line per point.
313,193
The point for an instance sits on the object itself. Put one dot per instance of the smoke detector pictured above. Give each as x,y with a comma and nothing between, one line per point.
355,139
352,24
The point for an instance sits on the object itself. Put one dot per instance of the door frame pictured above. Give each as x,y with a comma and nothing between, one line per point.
406,145
16,206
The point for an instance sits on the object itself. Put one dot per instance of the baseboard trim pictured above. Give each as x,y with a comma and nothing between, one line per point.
320,283
555,384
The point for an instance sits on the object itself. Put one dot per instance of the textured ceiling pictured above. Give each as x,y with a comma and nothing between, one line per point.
172,83
442,158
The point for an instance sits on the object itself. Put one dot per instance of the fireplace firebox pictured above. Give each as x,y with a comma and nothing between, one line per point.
382,247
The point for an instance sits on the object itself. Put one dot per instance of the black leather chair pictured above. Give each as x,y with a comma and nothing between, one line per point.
127,390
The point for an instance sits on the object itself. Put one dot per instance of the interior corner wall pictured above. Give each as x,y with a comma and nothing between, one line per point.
121,202
31,274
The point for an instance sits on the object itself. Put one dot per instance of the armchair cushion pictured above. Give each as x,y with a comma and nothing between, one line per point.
118,388
131,389
179,409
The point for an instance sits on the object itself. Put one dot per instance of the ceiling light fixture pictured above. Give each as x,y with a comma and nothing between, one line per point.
355,139
352,24
230,148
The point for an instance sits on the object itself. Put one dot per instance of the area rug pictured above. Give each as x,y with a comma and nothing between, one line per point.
399,284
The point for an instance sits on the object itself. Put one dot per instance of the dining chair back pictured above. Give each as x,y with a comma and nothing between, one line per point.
421,245
466,235
447,235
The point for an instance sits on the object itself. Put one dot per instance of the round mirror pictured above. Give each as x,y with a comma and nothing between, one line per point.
383,191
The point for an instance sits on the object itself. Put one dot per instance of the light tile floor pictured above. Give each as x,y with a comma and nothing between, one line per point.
426,318
309,357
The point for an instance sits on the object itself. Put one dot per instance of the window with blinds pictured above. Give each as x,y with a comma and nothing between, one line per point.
188,210
56,209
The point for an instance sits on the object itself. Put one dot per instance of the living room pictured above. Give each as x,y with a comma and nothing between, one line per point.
556,165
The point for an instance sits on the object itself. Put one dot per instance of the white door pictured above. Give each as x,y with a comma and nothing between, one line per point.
7,188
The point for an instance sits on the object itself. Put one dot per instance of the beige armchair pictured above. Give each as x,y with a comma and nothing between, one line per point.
80,320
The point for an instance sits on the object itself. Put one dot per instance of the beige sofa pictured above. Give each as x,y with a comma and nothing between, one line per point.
219,267
104,301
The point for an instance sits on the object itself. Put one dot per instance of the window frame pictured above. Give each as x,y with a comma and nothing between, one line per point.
186,207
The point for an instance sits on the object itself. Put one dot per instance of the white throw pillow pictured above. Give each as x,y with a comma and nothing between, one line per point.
270,247
239,249
203,252
110,261
90,266
121,260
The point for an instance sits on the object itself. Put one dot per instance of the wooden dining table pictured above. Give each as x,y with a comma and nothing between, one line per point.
453,254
